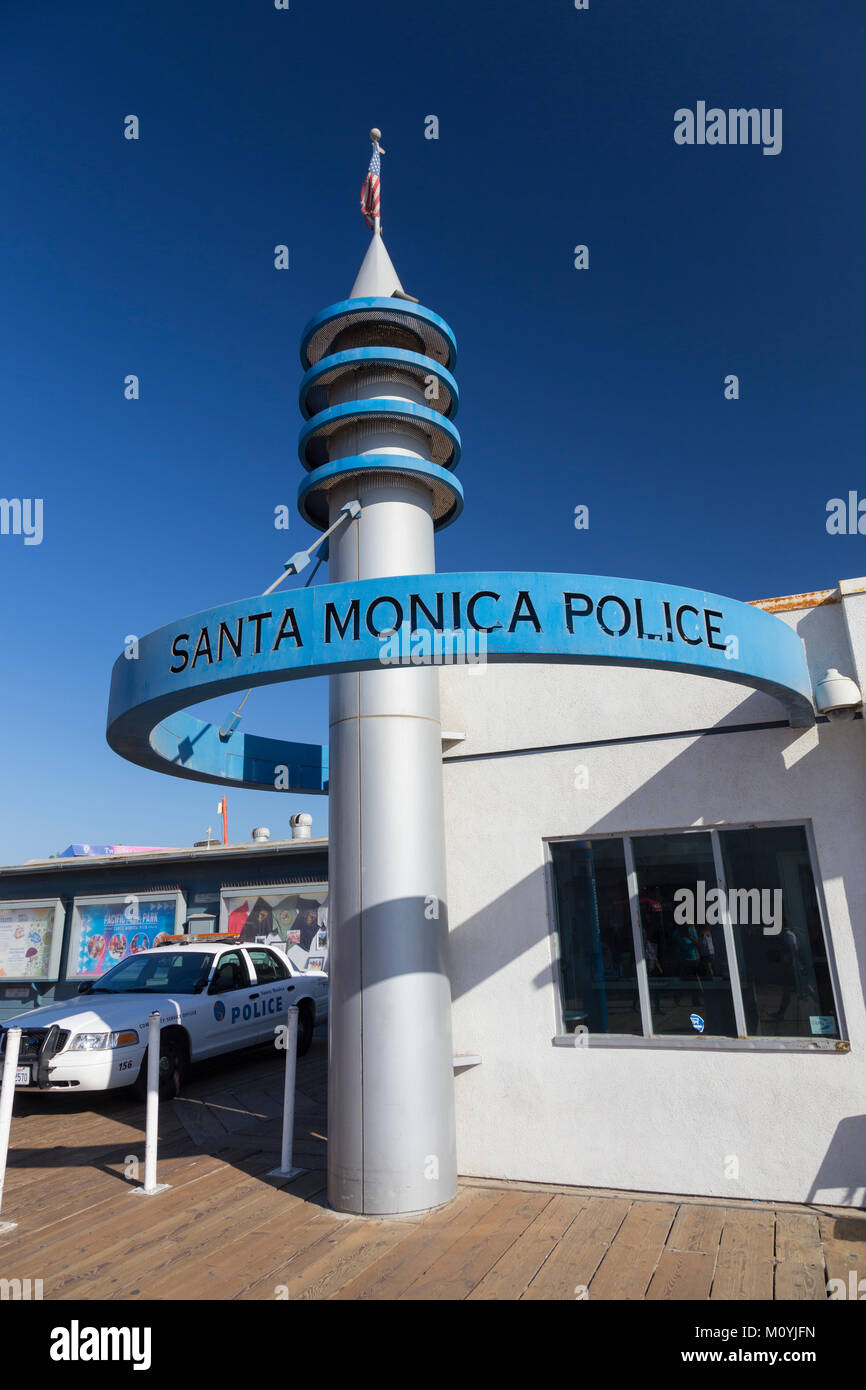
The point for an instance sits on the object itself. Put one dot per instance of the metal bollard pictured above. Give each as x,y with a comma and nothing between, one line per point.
286,1169
7,1095
151,1119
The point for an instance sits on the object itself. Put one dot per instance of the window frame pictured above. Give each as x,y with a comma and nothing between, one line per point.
58,933
278,961
744,1041
74,924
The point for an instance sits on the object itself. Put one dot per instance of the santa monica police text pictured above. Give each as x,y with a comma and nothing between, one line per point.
484,611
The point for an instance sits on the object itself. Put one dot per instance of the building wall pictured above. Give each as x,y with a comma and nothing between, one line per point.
643,1117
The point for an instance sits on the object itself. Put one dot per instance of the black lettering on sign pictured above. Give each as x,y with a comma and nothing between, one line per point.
353,616
437,622
470,611
202,649
530,616
571,613
288,628
398,621
234,642
712,630
641,632
687,608
258,619
181,637
626,615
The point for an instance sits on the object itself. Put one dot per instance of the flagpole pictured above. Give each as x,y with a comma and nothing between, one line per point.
376,136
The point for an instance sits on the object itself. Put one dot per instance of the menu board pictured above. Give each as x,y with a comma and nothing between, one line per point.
297,921
28,932
106,932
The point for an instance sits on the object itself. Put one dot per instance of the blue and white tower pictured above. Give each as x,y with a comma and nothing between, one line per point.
379,397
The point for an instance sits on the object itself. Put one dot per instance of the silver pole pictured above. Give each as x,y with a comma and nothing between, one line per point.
151,1114
151,1124
391,1130
286,1168
7,1095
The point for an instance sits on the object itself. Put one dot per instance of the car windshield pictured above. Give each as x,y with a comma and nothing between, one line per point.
165,972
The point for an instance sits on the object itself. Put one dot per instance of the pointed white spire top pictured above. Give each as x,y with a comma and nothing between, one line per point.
377,277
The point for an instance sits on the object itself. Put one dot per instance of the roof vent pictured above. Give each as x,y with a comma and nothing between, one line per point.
301,824
260,834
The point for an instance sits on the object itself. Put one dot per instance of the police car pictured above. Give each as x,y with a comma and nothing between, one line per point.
213,994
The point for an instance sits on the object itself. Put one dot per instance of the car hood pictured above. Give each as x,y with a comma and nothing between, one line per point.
101,1013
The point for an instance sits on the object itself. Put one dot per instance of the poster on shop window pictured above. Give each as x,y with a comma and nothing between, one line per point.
296,920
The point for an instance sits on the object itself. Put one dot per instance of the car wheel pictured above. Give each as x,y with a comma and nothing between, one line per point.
306,1022
172,1066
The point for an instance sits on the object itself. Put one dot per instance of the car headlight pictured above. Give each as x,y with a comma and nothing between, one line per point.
94,1042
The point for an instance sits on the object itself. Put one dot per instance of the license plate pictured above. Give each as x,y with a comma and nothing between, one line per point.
22,1076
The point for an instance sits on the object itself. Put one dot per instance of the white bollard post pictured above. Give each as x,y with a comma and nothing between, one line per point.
286,1169
7,1095
151,1120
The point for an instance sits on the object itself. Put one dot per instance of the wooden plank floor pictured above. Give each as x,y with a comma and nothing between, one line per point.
225,1230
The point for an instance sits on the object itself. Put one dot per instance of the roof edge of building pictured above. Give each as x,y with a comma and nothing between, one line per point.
296,846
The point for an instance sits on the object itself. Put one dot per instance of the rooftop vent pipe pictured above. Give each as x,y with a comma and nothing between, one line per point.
301,824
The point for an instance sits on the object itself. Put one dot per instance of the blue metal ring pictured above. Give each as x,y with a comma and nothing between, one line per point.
401,308
375,355
387,408
326,476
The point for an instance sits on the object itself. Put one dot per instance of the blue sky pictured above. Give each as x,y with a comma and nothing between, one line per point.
602,387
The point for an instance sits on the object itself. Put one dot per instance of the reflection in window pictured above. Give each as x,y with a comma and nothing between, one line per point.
784,970
684,943
781,971
599,982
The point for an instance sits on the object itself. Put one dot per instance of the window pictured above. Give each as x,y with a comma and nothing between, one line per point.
784,965
31,932
713,933
267,966
107,930
169,972
686,957
231,973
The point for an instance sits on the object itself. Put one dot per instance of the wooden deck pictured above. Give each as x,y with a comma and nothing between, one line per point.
225,1230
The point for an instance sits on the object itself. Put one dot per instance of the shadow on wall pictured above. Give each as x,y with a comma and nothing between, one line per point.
843,1168
479,948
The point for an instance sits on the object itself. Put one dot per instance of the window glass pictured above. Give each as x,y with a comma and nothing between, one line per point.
172,972
597,968
683,936
231,973
267,966
784,970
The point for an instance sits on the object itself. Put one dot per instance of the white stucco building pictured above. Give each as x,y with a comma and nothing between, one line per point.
578,802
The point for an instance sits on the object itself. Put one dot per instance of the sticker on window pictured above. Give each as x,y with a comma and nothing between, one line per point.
822,1024
697,1022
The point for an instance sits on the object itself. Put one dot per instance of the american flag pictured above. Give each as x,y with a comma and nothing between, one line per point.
370,191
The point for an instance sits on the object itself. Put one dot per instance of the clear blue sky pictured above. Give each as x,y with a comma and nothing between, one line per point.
602,387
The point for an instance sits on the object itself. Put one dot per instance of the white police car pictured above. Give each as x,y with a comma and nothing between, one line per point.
213,994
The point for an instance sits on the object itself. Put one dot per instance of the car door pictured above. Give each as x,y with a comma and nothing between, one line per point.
275,988
231,1021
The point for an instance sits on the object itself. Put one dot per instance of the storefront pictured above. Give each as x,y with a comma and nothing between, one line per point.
66,920
657,914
